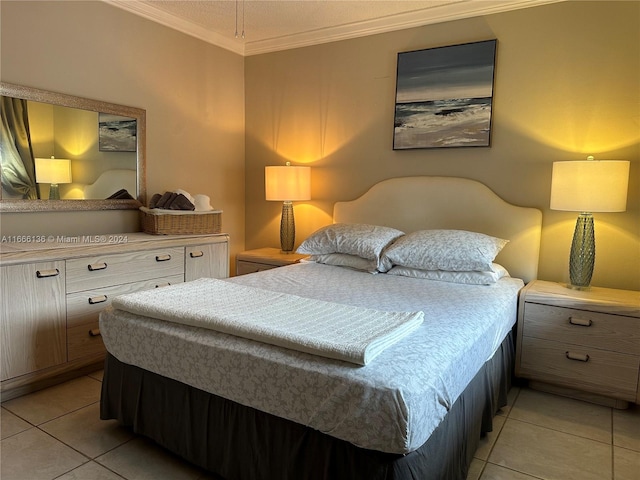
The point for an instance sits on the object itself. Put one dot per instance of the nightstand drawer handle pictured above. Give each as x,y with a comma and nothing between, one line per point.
94,332
196,254
98,299
97,266
583,322
163,258
582,357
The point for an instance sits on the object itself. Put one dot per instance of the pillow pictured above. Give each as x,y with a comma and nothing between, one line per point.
361,240
467,278
450,250
346,260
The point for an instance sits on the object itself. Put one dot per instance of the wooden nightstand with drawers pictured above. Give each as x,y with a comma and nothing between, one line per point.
252,261
584,344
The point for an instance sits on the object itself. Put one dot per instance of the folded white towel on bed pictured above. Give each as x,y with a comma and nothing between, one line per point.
333,330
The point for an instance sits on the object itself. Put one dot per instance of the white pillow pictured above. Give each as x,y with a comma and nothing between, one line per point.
346,260
361,240
450,250
467,278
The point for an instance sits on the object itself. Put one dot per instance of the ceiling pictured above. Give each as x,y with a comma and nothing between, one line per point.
272,25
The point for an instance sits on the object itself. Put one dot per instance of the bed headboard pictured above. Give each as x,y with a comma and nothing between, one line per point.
110,181
421,203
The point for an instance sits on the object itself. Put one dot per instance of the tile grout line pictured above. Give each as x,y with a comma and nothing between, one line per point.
506,417
613,467
562,431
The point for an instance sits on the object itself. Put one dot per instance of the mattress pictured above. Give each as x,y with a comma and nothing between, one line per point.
391,405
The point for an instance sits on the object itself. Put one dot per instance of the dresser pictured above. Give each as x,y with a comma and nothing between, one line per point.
584,344
260,259
53,290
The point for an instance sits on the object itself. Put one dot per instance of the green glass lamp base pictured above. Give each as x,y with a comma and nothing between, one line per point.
583,253
54,192
287,228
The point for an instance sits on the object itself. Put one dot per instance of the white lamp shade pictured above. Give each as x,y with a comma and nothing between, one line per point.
590,186
53,170
287,183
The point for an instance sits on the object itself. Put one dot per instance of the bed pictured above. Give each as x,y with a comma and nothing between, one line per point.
248,409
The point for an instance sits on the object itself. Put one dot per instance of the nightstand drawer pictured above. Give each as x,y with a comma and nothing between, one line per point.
242,267
590,369
581,327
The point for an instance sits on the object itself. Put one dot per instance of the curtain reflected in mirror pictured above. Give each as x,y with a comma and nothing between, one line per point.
18,163
102,146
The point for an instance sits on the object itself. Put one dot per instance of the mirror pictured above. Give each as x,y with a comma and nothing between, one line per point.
104,142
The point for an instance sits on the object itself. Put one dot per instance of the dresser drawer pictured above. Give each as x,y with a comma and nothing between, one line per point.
582,327
586,368
84,340
102,271
84,307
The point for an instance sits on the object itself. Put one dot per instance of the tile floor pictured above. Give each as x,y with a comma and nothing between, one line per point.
56,434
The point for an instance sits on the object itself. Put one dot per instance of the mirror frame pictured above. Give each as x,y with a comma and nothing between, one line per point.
44,96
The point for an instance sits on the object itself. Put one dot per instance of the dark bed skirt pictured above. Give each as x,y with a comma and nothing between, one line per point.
239,442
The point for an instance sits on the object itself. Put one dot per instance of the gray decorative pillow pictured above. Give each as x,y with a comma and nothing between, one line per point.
346,260
361,240
467,278
450,250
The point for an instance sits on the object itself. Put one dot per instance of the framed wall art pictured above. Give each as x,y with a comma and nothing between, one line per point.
116,133
444,96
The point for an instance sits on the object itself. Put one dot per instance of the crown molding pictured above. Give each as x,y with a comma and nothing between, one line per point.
444,13
158,16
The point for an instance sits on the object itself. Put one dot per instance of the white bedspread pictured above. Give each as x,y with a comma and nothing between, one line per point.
333,330
391,405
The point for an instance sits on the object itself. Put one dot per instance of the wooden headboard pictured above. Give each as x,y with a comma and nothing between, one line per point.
421,203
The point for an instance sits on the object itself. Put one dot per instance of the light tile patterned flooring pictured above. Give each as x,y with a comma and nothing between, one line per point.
57,434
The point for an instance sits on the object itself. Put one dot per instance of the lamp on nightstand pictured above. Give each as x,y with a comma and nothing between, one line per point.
587,186
54,171
287,184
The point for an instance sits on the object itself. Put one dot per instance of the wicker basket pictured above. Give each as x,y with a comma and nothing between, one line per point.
178,222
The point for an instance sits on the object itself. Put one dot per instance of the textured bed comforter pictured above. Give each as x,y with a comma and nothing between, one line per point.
391,405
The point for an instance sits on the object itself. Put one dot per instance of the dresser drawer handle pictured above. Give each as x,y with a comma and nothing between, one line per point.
94,267
94,332
54,272
583,322
581,357
163,285
196,254
163,258
98,299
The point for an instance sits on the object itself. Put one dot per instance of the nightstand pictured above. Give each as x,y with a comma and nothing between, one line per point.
264,259
584,344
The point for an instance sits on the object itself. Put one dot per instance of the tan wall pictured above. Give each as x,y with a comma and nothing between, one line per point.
567,85
567,79
193,94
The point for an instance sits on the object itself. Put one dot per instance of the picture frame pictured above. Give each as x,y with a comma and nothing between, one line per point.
116,133
444,96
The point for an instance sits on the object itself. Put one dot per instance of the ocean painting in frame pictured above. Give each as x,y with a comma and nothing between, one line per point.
444,97
116,133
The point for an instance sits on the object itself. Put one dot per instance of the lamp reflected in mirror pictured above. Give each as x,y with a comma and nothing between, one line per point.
53,171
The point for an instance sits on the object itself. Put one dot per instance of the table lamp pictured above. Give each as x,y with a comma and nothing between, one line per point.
54,171
287,184
587,186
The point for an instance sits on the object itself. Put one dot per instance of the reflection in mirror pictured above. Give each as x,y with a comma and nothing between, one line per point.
86,153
